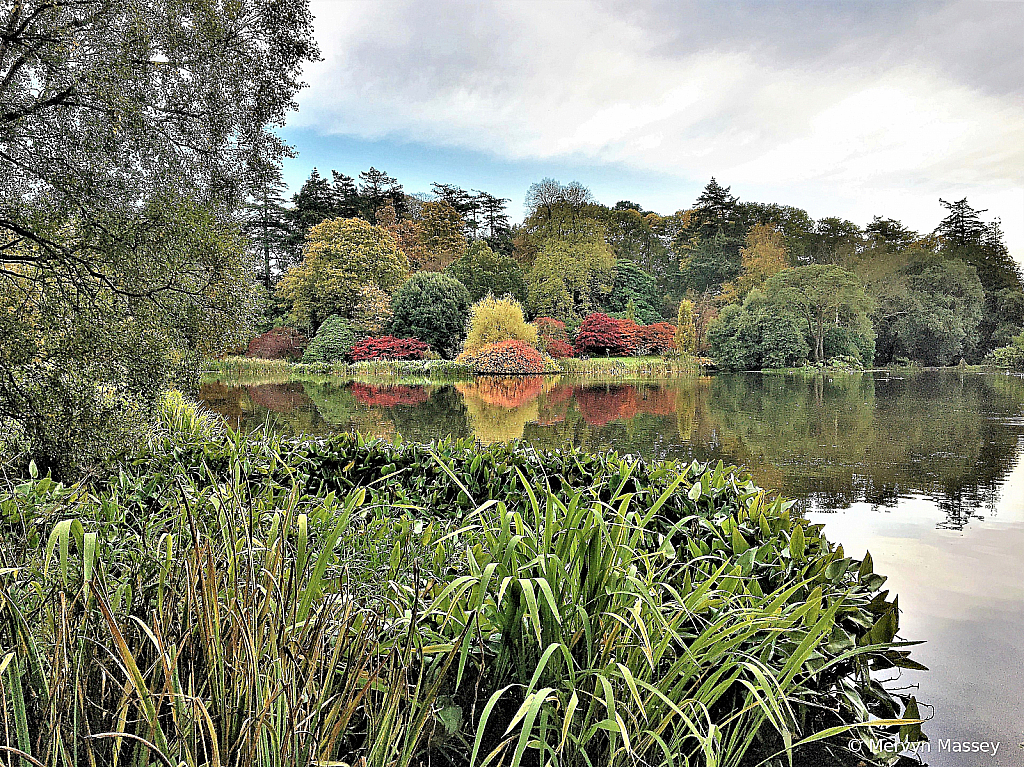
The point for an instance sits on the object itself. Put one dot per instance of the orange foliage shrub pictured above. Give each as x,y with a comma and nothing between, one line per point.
512,357
509,392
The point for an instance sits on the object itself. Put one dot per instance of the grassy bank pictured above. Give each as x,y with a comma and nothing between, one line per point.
255,600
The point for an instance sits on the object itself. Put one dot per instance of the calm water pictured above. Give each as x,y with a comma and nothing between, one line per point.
925,471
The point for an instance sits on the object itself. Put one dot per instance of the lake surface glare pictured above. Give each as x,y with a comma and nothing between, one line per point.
925,470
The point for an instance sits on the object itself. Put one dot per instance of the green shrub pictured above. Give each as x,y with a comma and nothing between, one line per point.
432,307
1010,356
332,342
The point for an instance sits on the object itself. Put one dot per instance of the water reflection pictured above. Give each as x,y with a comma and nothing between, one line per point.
828,441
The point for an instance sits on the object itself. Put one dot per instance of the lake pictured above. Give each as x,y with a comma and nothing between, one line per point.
925,470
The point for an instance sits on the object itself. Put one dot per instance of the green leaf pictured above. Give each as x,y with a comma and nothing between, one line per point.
796,543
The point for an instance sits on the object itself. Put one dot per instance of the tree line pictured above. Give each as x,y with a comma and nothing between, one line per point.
756,284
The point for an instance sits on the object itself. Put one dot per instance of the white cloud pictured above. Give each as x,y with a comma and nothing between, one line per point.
582,81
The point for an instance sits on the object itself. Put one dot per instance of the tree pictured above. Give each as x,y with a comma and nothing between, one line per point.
717,213
764,255
962,234
836,241
129,140
826,297
492,320
797,227
929,310
686,334
632,285
340,257
890,234
483,271
439,237
561,211
266,221
569,279
319,200
633,235
432,307
758,334
705,264
371,316
376,189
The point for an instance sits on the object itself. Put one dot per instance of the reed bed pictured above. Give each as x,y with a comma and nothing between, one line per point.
254,600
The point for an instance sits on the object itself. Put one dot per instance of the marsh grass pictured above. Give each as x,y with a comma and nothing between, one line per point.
251,600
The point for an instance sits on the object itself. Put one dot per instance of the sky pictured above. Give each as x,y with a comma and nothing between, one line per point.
850,109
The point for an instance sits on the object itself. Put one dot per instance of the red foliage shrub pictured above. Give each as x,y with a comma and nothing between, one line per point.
388,396
512,357
278,344
658,338
389,348
601,334
559,349
552,328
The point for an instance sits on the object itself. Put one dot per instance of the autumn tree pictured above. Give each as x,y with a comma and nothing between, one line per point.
439,239
763,255
340,257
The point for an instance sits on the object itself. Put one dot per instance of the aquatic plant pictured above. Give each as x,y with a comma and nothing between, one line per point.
266,601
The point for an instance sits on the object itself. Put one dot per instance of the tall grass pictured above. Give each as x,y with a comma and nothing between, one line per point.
250,600
628,367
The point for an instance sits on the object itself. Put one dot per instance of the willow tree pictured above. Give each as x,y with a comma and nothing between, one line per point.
131,135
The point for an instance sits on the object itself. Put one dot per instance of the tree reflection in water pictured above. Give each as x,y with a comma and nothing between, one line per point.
829,441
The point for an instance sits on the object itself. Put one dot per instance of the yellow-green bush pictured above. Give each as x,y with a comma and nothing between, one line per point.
497,319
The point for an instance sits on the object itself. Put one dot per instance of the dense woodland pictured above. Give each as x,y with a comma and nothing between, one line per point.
762,284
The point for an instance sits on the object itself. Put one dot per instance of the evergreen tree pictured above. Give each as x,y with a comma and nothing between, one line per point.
267,223
376,189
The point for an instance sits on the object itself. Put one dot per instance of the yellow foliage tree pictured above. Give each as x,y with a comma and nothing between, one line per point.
497,319
439,237
341,256
686,333
764,255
